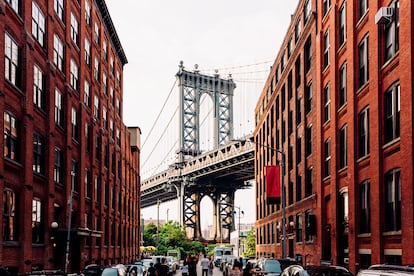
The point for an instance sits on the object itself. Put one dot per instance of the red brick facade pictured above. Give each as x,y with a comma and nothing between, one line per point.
63,131
337,117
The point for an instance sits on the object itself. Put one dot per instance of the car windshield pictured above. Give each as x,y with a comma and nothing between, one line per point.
272,266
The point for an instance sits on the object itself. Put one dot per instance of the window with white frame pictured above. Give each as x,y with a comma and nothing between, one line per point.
342,24
38,24
299,227
327,158
364,207
118,107
362,8
105,49
96,69
326,6
37,222
38,154
59,9
289,48
392,216
327,103
58,108
297,30
74,28
343,147
38,87
342,85
74,121
58,52
392,113
105,117
117,79
96,33
10,216
74,75
86,94
308,98
87,52
11,137
15,4
87,12
363,132
326,46
11,62
111,95
307,11
96,107
392,33
58,166
104,83
363,67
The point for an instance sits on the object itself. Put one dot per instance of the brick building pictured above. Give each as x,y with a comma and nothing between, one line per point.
61,98
332,104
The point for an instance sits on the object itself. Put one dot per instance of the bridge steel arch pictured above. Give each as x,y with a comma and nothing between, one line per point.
192,85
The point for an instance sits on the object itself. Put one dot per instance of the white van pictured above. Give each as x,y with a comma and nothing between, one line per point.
387,270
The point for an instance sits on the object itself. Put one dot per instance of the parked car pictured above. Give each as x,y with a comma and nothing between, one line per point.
93,270
136,269
118,270
173,263
273,267
314,270
387,270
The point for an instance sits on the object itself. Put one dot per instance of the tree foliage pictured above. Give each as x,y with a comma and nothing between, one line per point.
250,244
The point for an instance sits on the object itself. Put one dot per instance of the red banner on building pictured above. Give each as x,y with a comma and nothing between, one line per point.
273,186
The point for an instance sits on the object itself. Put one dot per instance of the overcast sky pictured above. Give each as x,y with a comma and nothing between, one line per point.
157,34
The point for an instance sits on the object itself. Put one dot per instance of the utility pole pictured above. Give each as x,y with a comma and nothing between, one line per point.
158,222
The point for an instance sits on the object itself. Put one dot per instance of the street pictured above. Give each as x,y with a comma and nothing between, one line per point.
216,271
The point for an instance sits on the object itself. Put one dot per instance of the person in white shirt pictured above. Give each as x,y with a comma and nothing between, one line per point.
205,262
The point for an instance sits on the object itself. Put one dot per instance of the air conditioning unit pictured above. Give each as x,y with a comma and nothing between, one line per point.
384,15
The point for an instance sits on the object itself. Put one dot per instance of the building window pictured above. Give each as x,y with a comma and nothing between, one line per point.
38,24
74,121
88,183
310,226
10,221
363,74
87,138
307,11
308,55
11,137
392,113
38,89
327,103
298,111
297,72
96,33
393,201
105,49
342,85
298,188
104,83
96,107
308,98
363,132
118,137
58,167
342,24
362,8
111,66
74,29
15,4
87,12
117,79
74,176
58,52
392,33
364,207
343,147
96,69
308,182
38,154
297,30
37,221
327,158
104,117
299,228
58,108
87,52
326,6
308,141
282,62
87,94
289,48
11,66
298,150
58,6
74,75
118,107
326,47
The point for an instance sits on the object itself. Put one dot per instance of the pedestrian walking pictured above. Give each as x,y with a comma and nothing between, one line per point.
204,263
210,266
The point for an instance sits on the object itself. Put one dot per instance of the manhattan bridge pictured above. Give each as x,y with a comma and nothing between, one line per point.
205,149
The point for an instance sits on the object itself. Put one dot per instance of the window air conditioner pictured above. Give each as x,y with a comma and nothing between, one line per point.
384,15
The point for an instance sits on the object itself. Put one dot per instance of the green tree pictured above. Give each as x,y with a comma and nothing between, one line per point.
150,232
250,244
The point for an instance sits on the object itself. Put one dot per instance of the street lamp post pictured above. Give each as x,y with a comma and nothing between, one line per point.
241,212
282,166
72,174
